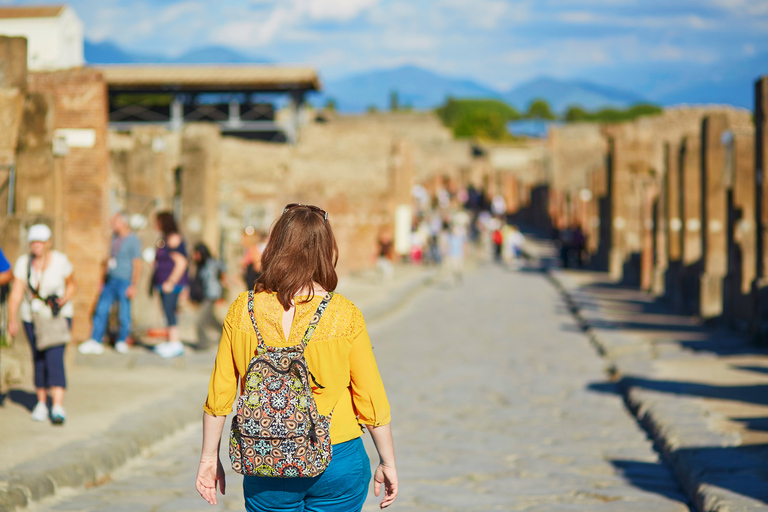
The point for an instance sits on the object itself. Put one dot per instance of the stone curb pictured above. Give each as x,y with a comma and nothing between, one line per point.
86,462
89,461
678,427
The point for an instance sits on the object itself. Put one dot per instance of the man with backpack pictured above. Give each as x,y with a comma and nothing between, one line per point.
205,289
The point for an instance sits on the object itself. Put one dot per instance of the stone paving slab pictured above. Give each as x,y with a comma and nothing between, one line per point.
648,346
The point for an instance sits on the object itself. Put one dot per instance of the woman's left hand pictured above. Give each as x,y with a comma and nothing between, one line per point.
167,287
209,474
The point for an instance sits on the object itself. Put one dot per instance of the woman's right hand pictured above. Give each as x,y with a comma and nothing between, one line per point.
13,327
209,474
386,475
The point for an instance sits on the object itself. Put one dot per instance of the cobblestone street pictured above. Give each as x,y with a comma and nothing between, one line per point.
499,403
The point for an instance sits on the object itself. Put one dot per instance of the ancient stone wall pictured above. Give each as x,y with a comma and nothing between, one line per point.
69,191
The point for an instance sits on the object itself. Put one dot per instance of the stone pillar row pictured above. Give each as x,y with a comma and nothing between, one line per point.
679,207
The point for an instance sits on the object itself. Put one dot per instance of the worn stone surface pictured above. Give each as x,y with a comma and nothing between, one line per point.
499,403
697,391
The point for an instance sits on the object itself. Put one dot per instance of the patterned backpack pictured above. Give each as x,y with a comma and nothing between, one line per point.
277,431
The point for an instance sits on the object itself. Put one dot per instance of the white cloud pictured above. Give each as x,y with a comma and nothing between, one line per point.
749,49
526,56
338,10
650,22
256,29
743,7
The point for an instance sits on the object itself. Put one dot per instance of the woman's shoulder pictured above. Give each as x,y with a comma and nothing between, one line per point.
174,241
59,258
345,310
239,304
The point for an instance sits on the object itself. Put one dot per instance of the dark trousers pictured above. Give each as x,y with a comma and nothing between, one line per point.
48,364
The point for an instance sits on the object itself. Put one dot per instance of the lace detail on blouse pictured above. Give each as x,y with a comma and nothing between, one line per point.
341,319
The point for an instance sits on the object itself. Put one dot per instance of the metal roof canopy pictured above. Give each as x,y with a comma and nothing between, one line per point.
185,82
203,79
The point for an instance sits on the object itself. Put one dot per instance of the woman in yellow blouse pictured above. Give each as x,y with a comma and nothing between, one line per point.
298,270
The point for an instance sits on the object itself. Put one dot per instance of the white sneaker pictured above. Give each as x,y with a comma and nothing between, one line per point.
91,347
40,412
121,347
58,415
170,349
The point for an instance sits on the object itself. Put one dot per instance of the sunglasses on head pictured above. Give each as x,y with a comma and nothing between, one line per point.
313,208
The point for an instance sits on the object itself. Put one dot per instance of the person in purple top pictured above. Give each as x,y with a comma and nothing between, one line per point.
169,278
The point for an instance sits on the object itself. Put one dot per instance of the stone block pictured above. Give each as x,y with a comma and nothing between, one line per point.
13,63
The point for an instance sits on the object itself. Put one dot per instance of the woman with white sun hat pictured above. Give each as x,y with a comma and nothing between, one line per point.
41,294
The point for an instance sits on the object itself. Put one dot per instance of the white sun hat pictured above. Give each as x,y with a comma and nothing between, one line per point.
39,233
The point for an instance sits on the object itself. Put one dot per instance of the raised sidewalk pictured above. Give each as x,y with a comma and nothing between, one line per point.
120,405
700,392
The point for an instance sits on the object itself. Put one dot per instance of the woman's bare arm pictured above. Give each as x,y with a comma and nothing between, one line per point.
210,471
385,472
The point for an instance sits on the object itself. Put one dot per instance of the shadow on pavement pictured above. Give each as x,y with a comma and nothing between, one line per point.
753,394
652,477
21,397
739,469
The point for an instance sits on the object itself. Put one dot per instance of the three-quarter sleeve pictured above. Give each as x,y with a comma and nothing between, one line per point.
368,395
222,389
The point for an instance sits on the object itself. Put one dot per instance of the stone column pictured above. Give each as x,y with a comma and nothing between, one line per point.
69,191
627,216
714,241
13,86
692,256
742,260
673,208
759,327
200,168
761,165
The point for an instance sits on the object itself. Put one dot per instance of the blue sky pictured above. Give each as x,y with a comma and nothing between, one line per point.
653,44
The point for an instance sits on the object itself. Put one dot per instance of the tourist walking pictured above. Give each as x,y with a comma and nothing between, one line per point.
120,278
170,278
386,253
516,243
294,307
43,284
457,246
251,263
206,288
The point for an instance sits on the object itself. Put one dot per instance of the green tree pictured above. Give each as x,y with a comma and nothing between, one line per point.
576,114
394,101
612,115
372,109
477,117
539,109
482,125
330,105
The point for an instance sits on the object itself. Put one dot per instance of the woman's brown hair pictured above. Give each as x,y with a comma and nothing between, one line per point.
301,250
167,223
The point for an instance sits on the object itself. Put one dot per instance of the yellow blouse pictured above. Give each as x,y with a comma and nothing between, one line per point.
339,355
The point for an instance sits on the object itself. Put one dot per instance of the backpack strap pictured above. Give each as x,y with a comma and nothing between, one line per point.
316,318
253,319
312,324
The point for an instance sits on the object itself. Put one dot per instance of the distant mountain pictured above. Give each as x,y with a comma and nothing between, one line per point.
416,87
561,94
423,89
731,83
109,53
